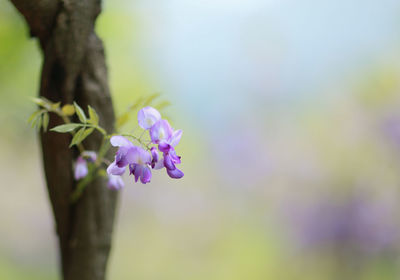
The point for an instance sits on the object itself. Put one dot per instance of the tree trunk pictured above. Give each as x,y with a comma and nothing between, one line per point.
74,69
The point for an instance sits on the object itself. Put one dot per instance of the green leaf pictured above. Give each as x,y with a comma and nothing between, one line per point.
66,127
33,123
122,119
55,106
81,135
162,105
77,137
93,117
34,115
150,99
80,113
136,104
102,130
45,121
39,101
86,133
36,119
38,123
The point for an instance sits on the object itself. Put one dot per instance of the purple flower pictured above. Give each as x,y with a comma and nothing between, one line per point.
154,155
169,143
138,160
161,131
115,182
124,155
147,117
170,161
175,173
140,167
81,169
113,169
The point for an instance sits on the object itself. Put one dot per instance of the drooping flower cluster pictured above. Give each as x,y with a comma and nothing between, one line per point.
140,159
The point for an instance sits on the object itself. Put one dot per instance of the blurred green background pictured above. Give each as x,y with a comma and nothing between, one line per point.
291,146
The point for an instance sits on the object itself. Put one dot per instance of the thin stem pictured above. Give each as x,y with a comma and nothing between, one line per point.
81,186
141,135
138,140
104,147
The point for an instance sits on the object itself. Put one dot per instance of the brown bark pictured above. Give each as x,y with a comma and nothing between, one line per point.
74,69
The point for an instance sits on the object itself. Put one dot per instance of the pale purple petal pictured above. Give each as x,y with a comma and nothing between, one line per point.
133,155
146,174
127,155
147,117
160,131
120,141
175,173
144,156
121,156
81,169
113,169
175,138
115,182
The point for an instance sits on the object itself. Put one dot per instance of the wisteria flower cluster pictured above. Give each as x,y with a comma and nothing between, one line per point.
154,149
141,159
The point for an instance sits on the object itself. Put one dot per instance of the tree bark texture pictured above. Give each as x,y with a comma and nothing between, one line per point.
74,69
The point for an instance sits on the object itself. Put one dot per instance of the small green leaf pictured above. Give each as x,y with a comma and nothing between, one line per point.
136,104
77,137
150,99
38,123
102,130
162,105
66,127
86,133
34,115
36,119
122,119
45,121
80,113
39,101
93,117
33,123
55,106
68,109
81,135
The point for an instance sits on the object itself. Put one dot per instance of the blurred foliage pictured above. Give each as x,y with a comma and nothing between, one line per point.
20,59
12,270
213,224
